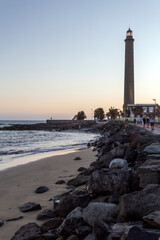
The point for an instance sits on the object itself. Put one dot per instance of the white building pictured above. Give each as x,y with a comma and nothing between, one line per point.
147,108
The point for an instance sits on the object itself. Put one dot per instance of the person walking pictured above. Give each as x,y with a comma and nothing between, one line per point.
148,120
152,122
144,120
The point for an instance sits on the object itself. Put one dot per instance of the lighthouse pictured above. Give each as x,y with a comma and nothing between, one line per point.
129,71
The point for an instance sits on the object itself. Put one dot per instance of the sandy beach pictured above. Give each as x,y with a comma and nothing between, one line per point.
18,185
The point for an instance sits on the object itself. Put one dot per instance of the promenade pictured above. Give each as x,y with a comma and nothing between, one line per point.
155,131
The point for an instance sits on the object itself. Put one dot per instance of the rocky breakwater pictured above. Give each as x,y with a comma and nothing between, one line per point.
50,125
118,196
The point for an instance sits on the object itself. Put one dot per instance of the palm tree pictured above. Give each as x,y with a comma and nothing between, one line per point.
138,110
113,112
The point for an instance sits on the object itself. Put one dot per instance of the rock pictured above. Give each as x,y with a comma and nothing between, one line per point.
118,163
74,224
71,201
154,148
143,234
101,229
131,156
153,156
120,230
72,237
149,173
41,189
106,159
81,169
30,207
99,210
60,182
14,219
1,222
52,224
153,219
109,181
77,158
28,232
90,236
135,205
46,214
119,151
77,181
48,236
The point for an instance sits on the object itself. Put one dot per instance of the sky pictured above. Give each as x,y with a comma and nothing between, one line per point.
58,57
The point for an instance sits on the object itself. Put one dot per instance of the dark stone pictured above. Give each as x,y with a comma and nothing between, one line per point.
71,201
52,223
135,205
48,236
60,182
28,232
46,214
30,207
131,156
14,219
77,158
41,189
1,222
149,173
74,224
77,181
99,210
106,159
73,237
109,181
143,234
81,169
101,229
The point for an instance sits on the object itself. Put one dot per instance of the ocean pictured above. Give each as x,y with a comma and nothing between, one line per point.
21,147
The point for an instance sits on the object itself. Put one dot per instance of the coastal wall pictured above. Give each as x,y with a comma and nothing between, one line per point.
69,124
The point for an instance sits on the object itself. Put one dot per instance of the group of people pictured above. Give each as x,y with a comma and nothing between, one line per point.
146,120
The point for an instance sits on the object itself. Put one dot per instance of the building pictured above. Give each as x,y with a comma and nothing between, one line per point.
128,71
147,108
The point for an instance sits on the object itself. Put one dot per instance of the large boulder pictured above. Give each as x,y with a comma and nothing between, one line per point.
135,205
28,232
120,230
143,234
118,163
75,224
105,159
71,201
119,151
46,214
101,229
77,181
154,148
109,181
99,210
149,173
53,223
153,219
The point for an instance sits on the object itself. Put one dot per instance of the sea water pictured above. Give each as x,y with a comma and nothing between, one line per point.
20,147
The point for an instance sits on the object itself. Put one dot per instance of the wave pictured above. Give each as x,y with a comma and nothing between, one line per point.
40,150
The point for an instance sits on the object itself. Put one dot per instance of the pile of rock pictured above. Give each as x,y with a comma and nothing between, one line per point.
121,197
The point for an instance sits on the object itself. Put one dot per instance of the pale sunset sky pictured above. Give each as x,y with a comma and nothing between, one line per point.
58,57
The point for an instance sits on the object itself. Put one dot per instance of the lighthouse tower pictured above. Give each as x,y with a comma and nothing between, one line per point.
129,71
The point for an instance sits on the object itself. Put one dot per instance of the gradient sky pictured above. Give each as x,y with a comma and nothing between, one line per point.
58,57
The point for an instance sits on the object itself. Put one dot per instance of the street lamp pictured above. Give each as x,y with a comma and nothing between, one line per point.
91,113
154,100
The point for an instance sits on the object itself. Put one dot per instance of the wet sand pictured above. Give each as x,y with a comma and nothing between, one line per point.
18,185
